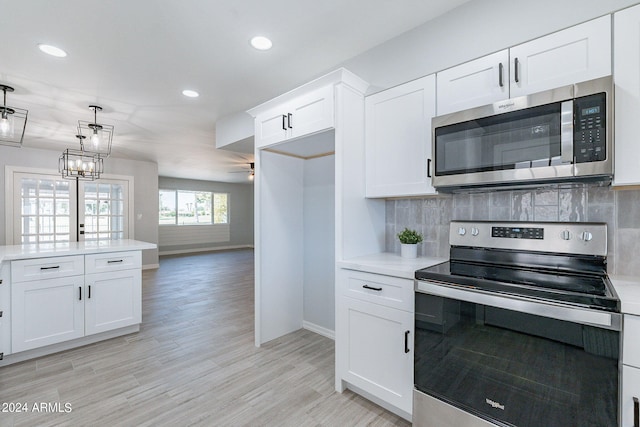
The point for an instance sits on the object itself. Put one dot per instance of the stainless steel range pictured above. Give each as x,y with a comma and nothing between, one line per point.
520,328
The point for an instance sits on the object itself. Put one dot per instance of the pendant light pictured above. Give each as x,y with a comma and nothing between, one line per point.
13,121
100,135
80,165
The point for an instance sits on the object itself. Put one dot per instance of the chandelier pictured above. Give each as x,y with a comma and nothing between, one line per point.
79,164
12,121
100,135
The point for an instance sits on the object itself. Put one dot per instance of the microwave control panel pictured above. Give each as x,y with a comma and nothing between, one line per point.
589,140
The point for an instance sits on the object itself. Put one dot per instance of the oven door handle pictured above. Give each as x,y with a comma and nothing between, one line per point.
600,319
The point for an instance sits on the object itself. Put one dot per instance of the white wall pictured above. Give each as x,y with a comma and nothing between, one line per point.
474,29
239,232
145,195
319,241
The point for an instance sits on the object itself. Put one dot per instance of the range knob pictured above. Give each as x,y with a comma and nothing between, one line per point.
474,231
462,231
565,235
586,236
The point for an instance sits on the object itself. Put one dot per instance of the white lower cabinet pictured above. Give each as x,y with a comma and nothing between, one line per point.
46,312
375,340
49,310
630,393
114,300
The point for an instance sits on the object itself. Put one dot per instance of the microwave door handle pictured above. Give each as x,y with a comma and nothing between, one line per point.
566,132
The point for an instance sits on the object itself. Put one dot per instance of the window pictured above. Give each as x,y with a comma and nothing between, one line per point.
104,215
182,207
45,209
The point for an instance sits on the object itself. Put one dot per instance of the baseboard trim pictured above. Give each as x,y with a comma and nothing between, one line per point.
150,266
209,249
319,330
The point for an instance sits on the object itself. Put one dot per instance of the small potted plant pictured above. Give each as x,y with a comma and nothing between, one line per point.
409,240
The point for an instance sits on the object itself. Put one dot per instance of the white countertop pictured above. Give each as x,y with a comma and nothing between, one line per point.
628,290
389,264
9,253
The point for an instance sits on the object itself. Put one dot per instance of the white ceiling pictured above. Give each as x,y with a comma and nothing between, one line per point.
134,57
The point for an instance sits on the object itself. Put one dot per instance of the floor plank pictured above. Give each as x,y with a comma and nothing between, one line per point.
192,363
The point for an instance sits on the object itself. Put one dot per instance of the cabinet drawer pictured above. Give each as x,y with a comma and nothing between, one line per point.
630,342
113,261
46,268
386,290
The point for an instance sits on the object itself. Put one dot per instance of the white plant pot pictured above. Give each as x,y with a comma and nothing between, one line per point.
408,250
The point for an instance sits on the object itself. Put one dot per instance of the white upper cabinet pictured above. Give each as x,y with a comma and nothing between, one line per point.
475,83
570,56
626,75
304,115
577,54
398,139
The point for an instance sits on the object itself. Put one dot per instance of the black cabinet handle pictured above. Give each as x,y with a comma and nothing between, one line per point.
636,412
114,261
289,116
89,292
516,62
372,288
428,168
49,268
80,293
406,341
284,122
500,74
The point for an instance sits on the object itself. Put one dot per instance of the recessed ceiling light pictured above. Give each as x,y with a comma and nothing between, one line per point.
261,43
52,50
190,93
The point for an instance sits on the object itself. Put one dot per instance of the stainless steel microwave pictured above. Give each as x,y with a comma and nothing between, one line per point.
552,136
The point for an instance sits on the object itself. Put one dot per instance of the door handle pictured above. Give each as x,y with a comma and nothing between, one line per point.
636,412
406,341
289,116
500,74
89,293
372,288
428,168
516,70
80,293
284,123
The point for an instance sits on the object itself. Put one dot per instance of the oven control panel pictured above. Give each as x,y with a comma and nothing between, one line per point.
518,232
588,238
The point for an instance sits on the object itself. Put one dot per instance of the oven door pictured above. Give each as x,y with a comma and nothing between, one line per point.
512,362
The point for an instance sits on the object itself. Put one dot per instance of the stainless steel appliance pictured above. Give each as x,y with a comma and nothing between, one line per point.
521,327
551,136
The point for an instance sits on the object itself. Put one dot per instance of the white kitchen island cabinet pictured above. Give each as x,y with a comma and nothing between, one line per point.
398,139
626,77
576,54
56,297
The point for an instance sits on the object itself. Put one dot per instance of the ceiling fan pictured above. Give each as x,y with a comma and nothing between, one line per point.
251,171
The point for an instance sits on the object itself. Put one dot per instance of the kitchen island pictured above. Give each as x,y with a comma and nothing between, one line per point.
58,296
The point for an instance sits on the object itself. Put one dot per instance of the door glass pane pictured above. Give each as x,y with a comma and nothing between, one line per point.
45,209
104,211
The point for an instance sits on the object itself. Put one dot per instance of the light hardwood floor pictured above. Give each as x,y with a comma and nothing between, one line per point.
192,363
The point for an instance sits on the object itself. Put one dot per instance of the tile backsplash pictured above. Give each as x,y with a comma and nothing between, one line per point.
620,209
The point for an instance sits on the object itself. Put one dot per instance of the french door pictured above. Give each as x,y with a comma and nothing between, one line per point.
49,209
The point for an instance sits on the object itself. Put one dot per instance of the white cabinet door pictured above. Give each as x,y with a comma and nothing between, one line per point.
271,127
377,350
626,75
398,139
312,112
630,390
46,312
577,54
475,83
304,115
113,300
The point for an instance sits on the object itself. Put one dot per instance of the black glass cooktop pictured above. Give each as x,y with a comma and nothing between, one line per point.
578,280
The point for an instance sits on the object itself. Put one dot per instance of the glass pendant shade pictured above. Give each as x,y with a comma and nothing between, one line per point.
13,121
100,136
